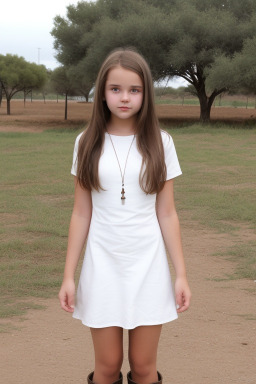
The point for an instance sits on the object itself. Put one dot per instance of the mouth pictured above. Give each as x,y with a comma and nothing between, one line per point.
124,108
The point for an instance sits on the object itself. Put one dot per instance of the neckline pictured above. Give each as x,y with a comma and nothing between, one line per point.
111,134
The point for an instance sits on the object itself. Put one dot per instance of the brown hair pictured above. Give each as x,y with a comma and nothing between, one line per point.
148,134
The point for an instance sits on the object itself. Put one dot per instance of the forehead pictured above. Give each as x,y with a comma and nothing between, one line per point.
123,76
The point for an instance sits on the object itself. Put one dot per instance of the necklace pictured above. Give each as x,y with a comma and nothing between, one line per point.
122,173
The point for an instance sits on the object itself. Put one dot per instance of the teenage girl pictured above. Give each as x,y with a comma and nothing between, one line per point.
124,167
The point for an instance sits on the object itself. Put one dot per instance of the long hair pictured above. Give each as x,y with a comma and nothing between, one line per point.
148,133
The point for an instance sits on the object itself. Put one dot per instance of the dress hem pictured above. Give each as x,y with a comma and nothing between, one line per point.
126,327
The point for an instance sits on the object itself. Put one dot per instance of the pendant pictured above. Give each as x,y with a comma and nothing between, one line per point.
123,196
122,193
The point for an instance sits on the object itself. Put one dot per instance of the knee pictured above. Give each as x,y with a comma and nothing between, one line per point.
141,367
111,365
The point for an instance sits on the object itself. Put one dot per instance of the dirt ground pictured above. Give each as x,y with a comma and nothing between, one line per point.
37,116
212,343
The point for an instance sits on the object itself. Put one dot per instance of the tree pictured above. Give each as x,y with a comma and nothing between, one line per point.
73,37
241,68
91,30
61,83
185,38
18,75
81,79
204,37
1,94
76,37
245,62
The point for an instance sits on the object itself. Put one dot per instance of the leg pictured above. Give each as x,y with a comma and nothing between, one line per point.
143,343
108,349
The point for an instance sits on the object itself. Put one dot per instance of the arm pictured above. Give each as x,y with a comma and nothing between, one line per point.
170,227
78,231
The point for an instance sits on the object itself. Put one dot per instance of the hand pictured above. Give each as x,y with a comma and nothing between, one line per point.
67,295
182,294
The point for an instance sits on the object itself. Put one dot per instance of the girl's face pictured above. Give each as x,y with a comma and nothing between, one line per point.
123,93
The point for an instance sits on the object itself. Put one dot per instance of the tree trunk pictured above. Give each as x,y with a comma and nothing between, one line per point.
206,104
8,106
1,94
205,107
66,106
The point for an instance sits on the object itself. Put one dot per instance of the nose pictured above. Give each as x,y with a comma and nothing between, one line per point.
125,96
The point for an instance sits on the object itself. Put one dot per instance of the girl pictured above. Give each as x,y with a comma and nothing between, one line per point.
124,167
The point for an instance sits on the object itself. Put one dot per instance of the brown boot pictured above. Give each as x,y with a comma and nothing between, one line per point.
90,377
130,381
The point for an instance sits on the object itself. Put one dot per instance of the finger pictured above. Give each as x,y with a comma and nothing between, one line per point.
64,303
66,307
182,309
184,306
71,302
179,301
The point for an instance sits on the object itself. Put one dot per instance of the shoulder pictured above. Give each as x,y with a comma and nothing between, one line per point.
78,139
167,139
171,158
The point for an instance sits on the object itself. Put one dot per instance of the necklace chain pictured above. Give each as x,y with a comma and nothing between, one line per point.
122,173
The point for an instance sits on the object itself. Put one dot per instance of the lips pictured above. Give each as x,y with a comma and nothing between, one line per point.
124,108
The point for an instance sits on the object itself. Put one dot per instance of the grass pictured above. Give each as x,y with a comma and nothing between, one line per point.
219,180
218,186
36,202
225,101
217,191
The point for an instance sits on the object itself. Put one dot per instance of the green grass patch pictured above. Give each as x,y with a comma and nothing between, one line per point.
13,308
217,190
244,256
36,202
219,175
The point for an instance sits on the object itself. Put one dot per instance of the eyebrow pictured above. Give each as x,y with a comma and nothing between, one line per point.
118,85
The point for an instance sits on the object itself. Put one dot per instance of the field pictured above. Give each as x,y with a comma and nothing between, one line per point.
38,116
216,203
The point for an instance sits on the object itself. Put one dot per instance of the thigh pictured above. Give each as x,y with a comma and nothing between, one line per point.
143,344
108,344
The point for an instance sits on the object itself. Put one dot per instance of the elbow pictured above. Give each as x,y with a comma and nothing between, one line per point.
163,215
83,214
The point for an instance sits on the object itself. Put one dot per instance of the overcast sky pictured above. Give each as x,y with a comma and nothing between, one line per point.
25,27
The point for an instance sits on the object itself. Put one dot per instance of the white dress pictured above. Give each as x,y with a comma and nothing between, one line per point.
125,278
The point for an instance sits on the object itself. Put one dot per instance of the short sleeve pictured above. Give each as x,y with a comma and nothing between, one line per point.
74,164
171,158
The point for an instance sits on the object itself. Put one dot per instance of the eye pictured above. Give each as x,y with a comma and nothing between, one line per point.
114,89
134,90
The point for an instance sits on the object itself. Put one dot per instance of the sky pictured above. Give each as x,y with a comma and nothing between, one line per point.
25,28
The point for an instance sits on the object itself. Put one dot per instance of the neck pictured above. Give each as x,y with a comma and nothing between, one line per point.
121,127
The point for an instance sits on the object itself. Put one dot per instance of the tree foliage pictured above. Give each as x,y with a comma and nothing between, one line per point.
191,39
239,73
245,64
16,75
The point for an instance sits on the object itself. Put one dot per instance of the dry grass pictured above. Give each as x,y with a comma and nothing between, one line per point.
38,116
